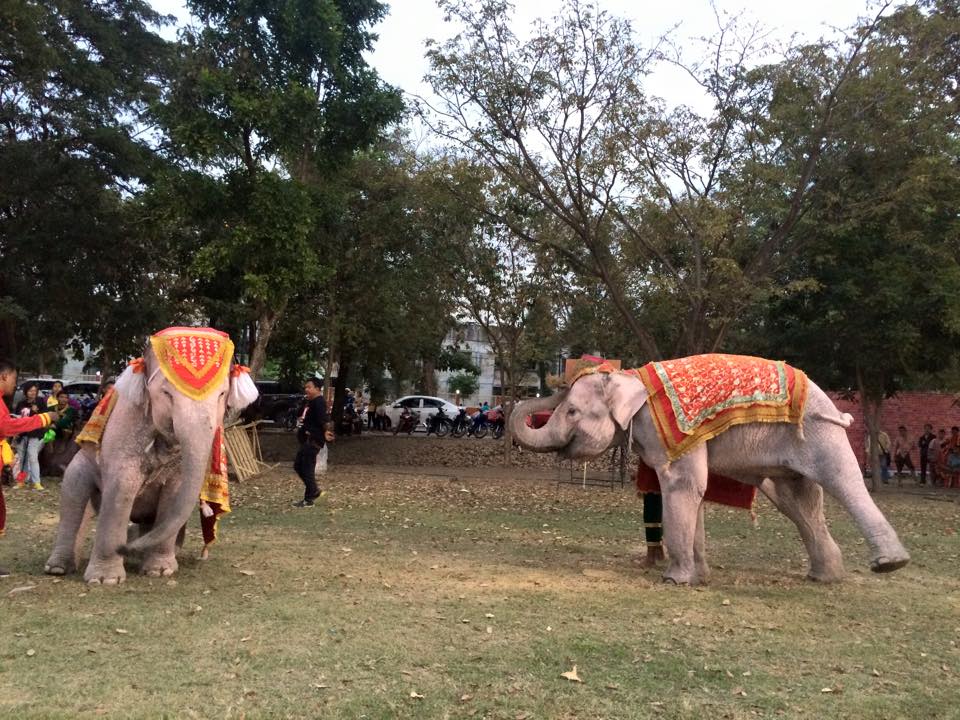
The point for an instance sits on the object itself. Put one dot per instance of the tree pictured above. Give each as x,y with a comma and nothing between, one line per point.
693,210
463,384
76,79
881,277
269,100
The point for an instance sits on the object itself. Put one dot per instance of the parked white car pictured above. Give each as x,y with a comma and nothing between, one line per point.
426,405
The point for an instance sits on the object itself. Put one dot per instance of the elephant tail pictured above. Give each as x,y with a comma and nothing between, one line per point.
844,420
150,540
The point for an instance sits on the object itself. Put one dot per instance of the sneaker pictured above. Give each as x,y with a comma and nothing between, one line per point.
303,503
4,572
37,486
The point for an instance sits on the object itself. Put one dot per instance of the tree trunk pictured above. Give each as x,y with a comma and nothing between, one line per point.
340,389
429,376
266,322
106,365
871,416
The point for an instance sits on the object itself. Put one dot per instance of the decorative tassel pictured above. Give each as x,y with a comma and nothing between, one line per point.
243,391
132,383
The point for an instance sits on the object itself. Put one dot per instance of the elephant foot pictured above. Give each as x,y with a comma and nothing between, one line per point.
678,574
888,564
159,566
825,578
108,572
58,566
826,573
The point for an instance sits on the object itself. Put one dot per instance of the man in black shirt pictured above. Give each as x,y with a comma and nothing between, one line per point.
924,443
312,436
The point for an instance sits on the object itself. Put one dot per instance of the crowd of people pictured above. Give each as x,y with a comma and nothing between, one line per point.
938,455
25,466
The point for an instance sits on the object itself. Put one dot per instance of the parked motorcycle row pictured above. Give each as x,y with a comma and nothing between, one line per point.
441,424
486,423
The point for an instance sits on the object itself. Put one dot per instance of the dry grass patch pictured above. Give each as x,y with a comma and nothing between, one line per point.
461,597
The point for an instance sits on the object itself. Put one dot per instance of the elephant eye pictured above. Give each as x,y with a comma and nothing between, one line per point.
572,411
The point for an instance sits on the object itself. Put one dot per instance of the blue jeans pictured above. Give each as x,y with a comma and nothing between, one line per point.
884,467
30,448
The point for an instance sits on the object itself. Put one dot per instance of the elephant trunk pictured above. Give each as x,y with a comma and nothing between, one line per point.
195,435
547,438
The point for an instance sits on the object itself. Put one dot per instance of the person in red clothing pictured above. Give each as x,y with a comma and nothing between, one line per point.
10,426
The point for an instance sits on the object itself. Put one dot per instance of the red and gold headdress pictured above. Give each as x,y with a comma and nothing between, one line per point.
194,360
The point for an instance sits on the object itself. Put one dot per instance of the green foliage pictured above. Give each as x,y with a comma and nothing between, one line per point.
269,100
453,358
464,384
75,77
881,242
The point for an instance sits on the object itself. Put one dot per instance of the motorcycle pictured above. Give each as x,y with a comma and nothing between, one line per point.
407,422
496,421
439,424
490,421
290,418
460,425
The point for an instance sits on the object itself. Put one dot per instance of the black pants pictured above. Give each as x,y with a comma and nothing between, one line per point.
903,460
305,465
923,468
653,519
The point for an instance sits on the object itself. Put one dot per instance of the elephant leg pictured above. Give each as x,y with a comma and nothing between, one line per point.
840,476
701,569
88,515
801,500
683,484
79,484
161,559
120,486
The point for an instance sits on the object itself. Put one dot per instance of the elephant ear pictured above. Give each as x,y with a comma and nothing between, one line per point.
625,396
132,383
243,390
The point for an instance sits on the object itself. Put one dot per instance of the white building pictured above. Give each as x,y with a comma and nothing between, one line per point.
472,338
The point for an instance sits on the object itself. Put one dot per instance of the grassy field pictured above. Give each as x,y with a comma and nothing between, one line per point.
412,596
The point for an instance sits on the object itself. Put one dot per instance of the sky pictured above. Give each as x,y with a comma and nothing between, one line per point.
399,53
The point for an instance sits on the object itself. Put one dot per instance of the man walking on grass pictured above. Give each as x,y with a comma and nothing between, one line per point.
313,434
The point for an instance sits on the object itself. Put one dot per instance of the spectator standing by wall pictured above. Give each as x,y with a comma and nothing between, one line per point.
933,456
883,452
901,454
949,465
924,444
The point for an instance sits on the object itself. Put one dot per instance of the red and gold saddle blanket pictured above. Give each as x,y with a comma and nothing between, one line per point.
696,398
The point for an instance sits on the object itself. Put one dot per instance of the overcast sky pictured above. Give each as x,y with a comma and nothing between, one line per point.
399,59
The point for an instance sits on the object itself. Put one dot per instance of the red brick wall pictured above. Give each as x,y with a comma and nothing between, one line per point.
913,409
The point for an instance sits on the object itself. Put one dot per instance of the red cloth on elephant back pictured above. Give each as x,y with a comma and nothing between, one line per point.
694,399
720,488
